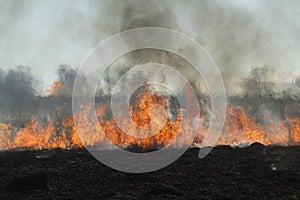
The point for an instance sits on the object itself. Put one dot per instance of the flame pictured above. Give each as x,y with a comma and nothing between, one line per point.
239,127
54,89
5,131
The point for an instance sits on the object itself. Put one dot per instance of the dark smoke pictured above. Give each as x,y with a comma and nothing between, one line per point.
20,98
148,14
258,84
67,77
17,94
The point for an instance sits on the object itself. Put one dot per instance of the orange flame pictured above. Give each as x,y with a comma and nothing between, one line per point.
54,89
239,128
5,131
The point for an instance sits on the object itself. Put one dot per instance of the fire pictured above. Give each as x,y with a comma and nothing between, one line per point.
56,86
54,89
35,136
5,131
295,129
239,127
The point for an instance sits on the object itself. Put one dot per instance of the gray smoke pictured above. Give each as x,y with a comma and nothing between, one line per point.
67,77
237,39
17,94
239,36
20,98
259,83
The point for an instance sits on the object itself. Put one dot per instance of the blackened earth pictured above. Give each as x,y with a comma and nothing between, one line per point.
255,172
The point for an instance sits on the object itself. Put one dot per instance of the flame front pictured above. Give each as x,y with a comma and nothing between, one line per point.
239,128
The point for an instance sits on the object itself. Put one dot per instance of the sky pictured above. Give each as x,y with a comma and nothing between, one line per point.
239,35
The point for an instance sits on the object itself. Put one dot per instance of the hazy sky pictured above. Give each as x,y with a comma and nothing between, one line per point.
239,35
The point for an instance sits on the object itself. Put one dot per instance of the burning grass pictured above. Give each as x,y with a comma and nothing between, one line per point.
239,128
60,130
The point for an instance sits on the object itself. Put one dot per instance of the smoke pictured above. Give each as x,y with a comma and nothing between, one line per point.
17,94
239,36
67,77
259,83
296,89
297,82
17,87
148,14
20,97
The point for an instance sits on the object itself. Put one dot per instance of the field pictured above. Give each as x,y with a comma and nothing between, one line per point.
255,172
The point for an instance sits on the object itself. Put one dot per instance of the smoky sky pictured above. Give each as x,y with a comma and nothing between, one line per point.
238,35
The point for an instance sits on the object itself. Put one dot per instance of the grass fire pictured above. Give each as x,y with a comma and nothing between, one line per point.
149,100
241,127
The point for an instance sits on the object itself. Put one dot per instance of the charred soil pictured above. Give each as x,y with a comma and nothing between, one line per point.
255,172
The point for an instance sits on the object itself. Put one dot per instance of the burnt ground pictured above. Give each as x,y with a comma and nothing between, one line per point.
256,172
